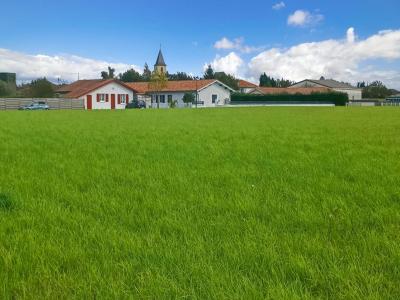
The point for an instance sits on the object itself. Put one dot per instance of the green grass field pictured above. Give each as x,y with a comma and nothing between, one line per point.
242,203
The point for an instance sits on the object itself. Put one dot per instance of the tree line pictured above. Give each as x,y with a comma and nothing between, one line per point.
38,88
375,90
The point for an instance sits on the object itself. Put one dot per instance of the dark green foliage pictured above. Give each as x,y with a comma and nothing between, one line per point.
131,76
361,85
146,73
376,90
267,81
338,99
188,98
40,88
179,76
109,74
227,79
209,73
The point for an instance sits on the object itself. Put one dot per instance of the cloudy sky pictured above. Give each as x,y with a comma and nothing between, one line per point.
291,39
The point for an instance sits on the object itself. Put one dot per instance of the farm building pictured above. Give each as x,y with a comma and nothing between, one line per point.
99,94
352,92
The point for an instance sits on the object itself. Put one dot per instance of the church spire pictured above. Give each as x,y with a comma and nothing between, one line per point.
160,65
160,60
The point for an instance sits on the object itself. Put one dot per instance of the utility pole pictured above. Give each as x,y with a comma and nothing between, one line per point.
197,93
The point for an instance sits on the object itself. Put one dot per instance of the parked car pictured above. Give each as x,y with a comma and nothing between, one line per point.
40,105
136,104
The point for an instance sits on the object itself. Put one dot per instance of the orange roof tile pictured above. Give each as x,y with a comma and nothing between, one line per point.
82,87
246,84
173,86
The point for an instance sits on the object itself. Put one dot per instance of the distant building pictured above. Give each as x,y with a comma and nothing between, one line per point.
10,79
246,87
353,92
290,91
394,98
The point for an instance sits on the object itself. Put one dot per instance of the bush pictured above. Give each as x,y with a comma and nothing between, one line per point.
339,99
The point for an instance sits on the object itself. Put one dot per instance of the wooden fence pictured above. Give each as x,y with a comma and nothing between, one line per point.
54,103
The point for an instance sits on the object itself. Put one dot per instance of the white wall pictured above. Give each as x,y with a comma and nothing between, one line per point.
215,89
204,95
246,90
354,94
111,88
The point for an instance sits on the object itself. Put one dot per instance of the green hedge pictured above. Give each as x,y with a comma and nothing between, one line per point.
337,98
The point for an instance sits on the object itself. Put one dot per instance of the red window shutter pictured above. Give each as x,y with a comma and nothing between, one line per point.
106,97
98,97
119,99
127,99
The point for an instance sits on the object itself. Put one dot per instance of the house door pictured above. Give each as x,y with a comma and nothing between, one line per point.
89,102
112,101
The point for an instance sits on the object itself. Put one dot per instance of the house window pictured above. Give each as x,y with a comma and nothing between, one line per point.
154,98
169,98
162,99
102,97
122,98
214,98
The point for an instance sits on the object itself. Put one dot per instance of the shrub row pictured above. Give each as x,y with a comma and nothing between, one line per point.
339,99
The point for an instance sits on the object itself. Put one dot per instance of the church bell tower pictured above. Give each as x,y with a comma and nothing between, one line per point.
160,66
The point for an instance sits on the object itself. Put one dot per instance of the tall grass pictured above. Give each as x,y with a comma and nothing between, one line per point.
249,203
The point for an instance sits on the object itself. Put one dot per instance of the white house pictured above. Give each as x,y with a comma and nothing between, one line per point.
352,92
99,94
209,93
246,87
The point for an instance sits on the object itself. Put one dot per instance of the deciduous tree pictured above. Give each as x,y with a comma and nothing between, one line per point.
158,82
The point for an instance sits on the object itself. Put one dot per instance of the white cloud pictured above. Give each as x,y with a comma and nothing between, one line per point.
351,36
231,64
303,18
279,5
224,43
236,44
65,67
339,59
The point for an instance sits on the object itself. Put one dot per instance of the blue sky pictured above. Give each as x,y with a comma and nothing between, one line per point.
130,32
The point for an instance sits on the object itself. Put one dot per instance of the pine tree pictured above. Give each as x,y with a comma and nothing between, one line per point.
146,73
209,73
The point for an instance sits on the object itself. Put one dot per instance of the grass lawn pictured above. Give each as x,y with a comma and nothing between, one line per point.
241,203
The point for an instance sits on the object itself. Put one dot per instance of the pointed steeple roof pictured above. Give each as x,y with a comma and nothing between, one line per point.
160,60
